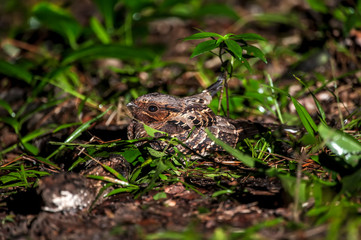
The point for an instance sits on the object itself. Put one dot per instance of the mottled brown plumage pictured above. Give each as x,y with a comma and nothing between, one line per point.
187,118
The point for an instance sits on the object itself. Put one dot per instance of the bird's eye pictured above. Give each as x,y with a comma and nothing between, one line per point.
152,108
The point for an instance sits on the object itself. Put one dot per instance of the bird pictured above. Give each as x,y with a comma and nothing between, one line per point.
187,119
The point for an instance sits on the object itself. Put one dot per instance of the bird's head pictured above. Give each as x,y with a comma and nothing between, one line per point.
155,107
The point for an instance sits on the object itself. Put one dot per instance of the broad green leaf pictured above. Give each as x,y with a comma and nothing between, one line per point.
234,47
204,47
160,195
341,144
248,37
308,139
318,5
203,35
163,177
151,131
156,153
250,162
220,40
246,64
131,154
305,117
108,51
99,31
15,71
256,52
58,20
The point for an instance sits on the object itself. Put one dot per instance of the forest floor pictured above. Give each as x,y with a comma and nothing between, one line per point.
188,202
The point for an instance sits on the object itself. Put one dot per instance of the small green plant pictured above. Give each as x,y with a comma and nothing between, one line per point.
235,45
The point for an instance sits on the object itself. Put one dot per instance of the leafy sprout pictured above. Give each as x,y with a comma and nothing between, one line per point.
236,45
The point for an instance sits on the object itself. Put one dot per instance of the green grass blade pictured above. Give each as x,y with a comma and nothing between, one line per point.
31,148
11,122
111,180
46,161
250,162
59,79
15,71
66,125
78,132
278,110
7,107
99,31
109,51
24,117
36,133
114,172
121,190
107,8
318,104
305,117
58,20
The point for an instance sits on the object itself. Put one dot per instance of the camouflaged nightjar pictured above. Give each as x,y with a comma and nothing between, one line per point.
187,118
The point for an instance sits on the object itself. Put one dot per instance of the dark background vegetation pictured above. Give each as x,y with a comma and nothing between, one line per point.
68,68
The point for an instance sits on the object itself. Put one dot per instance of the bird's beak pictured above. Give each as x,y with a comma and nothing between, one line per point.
131,106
